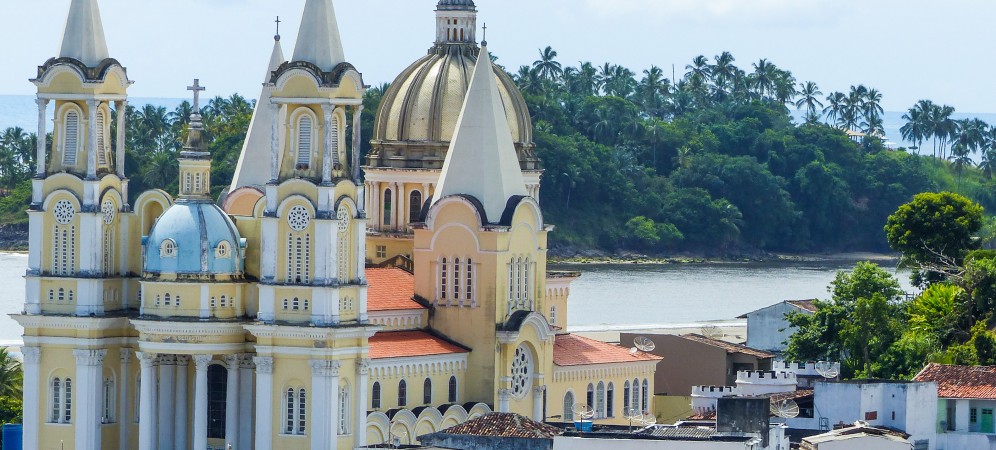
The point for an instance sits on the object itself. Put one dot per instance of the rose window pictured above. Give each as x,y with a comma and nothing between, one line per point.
298,218
64,212
343,217
108,210
521,372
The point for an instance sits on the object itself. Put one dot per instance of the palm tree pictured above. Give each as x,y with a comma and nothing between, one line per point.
699,68
652,90
915,129
784,86
808,98
872,108
588,79
547,66
160,169
529,81
961,157
764,77
11,376
604,76
621,82
724,70
835,107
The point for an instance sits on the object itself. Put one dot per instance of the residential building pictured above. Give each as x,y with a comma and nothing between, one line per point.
767,328
966,398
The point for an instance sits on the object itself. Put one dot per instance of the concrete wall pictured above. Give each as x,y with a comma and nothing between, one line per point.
577,443
462,442
960,441
686,363
764,324
866,443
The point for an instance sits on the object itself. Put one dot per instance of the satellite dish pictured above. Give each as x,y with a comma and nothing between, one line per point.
786,409
826,369
633,351
712,332
648,419
644,344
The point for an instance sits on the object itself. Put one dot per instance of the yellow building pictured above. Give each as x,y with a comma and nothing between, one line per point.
175,323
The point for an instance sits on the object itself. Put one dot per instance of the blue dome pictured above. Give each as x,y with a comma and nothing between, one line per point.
194,238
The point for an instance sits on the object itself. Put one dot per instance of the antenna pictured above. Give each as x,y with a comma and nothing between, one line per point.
644,344
582,412
648,419
827,369
712,332
632,414
786,409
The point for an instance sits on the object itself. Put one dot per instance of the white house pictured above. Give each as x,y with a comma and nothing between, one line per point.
966,398
860,436
767,328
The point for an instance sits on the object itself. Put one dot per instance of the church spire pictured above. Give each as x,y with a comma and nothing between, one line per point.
83,38
481,161
318,40
249,171
195,160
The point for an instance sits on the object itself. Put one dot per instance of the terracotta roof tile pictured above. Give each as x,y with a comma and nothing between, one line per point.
961,381
399,344
505,425
390,289
574,350
730,348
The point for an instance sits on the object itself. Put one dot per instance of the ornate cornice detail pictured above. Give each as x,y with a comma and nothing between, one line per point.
146,359
124,353
325,368
363,366
201,361
183,360
32,355
640,369
246,362
264,364
90,357
232,361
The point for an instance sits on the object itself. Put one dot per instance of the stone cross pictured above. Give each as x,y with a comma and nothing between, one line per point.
485,39
197,88
278,25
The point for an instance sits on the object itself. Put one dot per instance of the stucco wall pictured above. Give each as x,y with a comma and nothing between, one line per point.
764,325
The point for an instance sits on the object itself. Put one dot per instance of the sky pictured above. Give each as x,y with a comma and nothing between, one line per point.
908,49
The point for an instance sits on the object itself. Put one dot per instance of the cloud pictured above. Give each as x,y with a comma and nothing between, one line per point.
714,10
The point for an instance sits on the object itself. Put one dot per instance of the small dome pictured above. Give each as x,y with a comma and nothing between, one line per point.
194,238
418,114
456,5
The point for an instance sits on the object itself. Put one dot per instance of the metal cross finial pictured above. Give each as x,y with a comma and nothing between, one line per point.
197,88
277,36
485,33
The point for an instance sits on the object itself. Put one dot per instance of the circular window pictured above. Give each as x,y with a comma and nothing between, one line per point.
64,212
109,211
343,217
522,367
298,218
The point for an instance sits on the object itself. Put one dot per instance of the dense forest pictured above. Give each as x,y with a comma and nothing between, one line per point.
708,163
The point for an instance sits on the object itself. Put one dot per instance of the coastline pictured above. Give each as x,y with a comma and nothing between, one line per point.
771,258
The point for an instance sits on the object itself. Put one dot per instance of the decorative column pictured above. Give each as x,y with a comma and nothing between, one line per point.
91,139
375,210
324,395
181,440
538,403
201,401
124,412
167,398
402,214
245,401
89,365
232,400
396,206
147,438
40,155
357,144
360,424
119,152
31,397
264,402
274,142
327,157
504,396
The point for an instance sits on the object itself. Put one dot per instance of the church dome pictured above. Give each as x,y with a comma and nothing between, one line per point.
194,238
418,114
456,4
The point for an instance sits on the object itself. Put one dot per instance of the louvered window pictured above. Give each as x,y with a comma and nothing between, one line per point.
71,139
304,140
101,149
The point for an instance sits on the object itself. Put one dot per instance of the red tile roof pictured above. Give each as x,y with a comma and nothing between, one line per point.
399,344
390,290
730,348
961,381
574,350
505,425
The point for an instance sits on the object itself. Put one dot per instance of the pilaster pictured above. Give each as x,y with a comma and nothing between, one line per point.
181,441
246,368
147,438
360,424
124,404
264,402
232,363
91,139
167,400
200,401
89,363
40,161
31,395
324,410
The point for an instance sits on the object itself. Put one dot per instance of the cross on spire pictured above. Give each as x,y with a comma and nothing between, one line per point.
485,40
197,88
277,36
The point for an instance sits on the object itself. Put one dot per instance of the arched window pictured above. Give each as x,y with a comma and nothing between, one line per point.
646,394
600,400
71,139
553,315
295,408
166,300
101,140
402,393
109,403
518,282
167,249
224,301
414,207
62,294
636,396
298,247
590,400
302,411
223,251
304,142
456,280
344,242
108,252
375,396
569,407
427,392
67,401
470,282
387,207
626,405
452,390
343,410
442,280
527,284
610,401
56,395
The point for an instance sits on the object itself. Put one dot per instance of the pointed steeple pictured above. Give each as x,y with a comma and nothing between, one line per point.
318,40
250,170
481,161
83,38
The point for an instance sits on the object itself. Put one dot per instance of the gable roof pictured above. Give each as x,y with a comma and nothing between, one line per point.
574,350
805,305
505,425
978,382
402,344
390,289
730,348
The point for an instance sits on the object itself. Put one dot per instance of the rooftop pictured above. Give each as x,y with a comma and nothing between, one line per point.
858,430
505,425
805,305
401,344
730,348
574,350
961,381
390,289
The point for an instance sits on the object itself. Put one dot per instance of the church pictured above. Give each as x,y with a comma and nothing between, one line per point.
323,302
